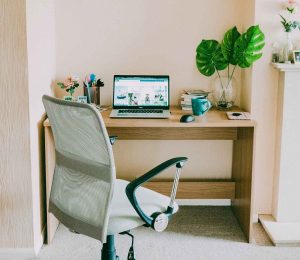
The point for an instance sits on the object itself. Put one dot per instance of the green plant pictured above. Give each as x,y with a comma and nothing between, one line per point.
289,25
70,84
235,49
291,8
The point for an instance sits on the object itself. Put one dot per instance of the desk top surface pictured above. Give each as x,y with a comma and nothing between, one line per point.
213,118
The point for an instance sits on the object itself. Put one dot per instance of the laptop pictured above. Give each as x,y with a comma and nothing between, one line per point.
141,97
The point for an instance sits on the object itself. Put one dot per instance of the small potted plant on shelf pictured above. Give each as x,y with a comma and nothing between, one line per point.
289,24
91,87
69,85
236,49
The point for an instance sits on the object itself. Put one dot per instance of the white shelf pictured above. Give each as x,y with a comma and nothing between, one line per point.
286,67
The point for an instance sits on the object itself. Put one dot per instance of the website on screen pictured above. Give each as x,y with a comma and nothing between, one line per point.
141,91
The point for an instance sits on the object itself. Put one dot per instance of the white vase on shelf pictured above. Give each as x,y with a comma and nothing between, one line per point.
288,49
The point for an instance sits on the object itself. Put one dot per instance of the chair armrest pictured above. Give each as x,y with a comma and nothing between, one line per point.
132,186
113,139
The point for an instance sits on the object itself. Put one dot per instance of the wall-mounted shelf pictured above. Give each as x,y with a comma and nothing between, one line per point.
286,67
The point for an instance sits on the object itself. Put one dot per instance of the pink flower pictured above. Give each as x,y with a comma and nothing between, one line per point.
68,82
291,6
292,1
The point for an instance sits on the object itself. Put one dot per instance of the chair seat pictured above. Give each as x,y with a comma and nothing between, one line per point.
123,217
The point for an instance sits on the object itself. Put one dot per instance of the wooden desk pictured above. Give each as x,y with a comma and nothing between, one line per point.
213,126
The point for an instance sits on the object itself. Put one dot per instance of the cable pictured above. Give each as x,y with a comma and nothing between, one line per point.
130,255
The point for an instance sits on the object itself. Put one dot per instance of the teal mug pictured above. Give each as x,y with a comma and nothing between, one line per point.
200,105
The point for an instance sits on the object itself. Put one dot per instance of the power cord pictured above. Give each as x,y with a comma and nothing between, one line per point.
130,255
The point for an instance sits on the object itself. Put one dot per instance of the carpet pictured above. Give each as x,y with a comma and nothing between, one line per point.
195,233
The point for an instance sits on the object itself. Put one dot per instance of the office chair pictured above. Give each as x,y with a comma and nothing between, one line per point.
85,195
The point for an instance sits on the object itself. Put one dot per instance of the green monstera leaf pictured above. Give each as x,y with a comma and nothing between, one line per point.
228,45
210,58
248,47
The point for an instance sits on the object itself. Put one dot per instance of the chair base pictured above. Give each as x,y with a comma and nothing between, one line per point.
108,251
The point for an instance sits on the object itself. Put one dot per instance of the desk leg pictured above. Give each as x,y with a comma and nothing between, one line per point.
242,175
52,222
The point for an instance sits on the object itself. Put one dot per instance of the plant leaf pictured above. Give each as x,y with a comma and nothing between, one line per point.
210,58
248,47
60,84
284,20
228,44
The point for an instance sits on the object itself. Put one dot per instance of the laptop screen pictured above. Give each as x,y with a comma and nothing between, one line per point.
141,92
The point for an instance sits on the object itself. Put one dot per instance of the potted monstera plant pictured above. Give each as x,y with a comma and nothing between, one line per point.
235,50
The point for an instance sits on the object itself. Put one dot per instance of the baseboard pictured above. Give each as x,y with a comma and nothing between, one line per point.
204,202
255,218
40,241
24,253
17,253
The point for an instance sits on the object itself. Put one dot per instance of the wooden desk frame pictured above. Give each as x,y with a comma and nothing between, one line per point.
213,126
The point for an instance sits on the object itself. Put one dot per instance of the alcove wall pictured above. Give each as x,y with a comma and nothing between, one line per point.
148,37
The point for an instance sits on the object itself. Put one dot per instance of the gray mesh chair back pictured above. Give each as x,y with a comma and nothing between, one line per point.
84,175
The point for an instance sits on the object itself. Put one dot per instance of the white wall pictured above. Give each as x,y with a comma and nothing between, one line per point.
41,73
150,37
147,37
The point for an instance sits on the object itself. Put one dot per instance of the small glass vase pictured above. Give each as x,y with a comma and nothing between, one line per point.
224,92
288,48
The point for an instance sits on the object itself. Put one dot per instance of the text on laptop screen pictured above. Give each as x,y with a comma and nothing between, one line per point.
141,91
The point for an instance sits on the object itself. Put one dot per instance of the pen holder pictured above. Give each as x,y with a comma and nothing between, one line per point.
92,94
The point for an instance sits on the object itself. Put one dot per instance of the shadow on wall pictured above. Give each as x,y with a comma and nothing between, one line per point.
42,170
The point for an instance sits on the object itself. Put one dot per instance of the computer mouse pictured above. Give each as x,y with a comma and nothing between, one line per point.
187,119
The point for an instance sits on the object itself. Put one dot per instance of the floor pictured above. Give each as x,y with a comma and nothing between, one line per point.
194,233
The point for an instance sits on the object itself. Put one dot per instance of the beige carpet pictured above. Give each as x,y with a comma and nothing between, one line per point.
194,233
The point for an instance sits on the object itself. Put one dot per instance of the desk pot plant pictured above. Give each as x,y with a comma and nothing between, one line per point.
69,85
236,49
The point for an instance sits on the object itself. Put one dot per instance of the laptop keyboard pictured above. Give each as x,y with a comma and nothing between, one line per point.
135,111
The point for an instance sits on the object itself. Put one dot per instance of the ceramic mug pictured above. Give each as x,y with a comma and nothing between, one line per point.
200,105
